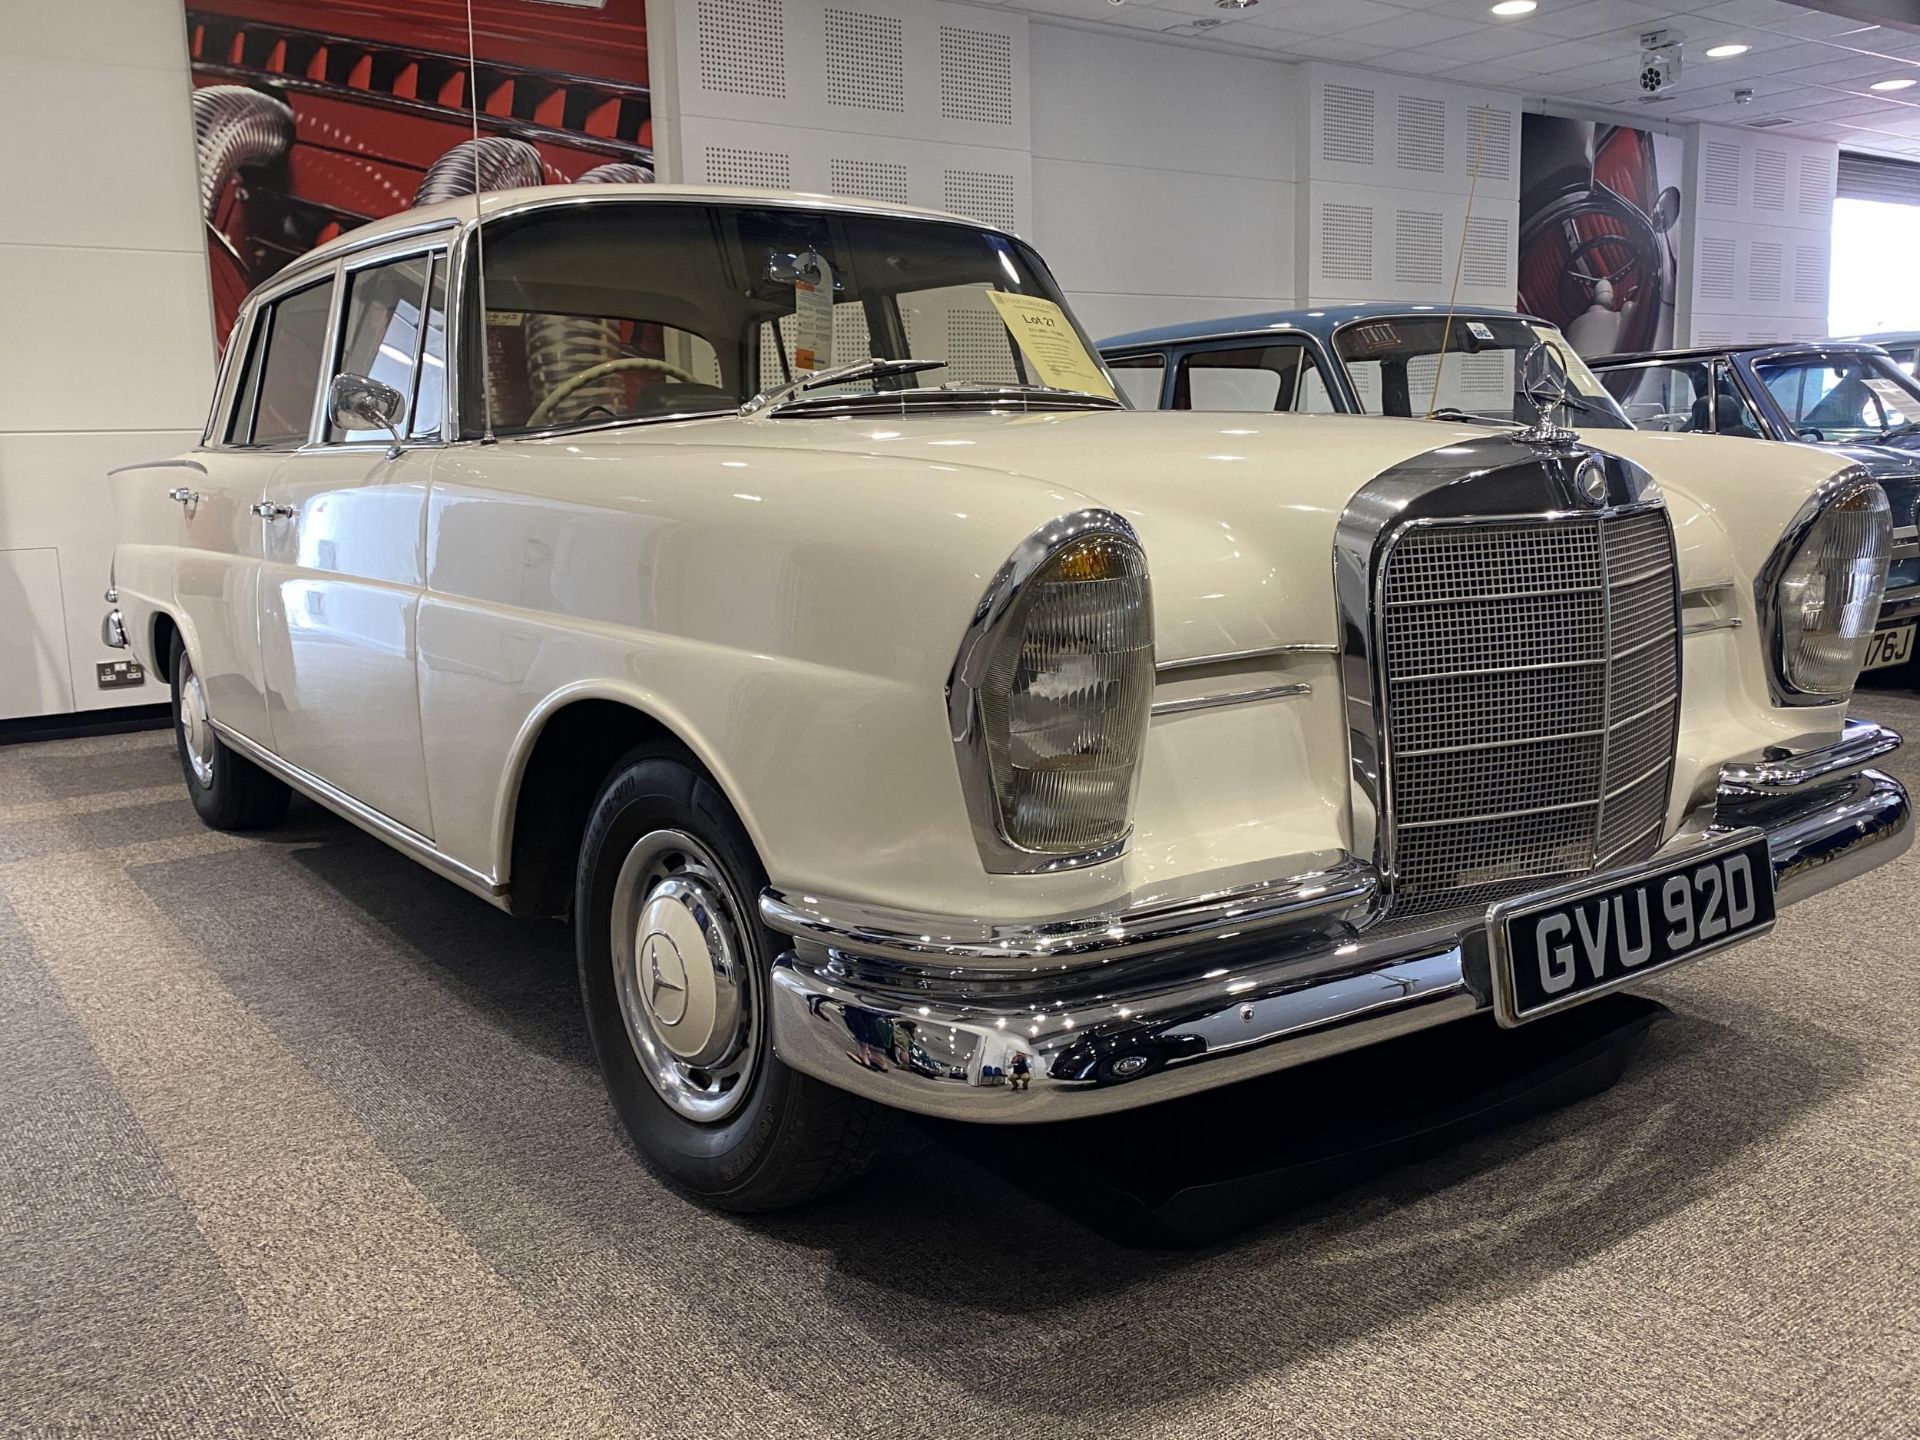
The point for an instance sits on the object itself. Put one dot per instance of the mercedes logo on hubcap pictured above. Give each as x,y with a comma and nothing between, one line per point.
664,978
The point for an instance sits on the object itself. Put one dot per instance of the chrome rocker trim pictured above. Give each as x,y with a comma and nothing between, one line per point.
1169,998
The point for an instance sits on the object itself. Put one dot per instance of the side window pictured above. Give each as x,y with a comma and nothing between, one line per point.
1733,416
1662,397
430,389
246,390
1255,377
295,339
1140,378
1313,397
382,332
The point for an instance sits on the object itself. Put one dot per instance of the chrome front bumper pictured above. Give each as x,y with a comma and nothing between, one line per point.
1112,1011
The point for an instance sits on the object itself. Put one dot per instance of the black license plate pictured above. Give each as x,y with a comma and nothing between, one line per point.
1557,949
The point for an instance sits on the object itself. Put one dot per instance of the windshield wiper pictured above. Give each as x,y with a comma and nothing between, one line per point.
871,368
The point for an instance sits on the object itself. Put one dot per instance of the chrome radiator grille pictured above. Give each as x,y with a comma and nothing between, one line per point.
1532,685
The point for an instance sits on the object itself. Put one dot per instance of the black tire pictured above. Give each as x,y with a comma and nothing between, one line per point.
790,1138
233,793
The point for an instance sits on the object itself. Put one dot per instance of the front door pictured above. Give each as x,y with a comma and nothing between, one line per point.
342,570
217,571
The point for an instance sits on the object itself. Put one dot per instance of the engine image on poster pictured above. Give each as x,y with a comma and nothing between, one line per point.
313,118
1598,208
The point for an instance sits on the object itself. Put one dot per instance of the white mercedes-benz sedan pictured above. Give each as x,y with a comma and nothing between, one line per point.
775,588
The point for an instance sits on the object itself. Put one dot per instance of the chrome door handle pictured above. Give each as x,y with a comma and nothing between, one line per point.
184,495
267,510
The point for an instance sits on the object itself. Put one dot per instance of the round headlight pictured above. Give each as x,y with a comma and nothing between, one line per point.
1827,596
1051,696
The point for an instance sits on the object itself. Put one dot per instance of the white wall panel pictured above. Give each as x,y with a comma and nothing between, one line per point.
104,339
926,71
1388,165
1113,100
1760,237
108,352
123,139
1104,229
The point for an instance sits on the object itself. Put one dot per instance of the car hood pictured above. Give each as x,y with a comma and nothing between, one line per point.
1237,511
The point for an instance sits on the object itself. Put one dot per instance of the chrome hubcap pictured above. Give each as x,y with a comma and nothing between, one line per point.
682,971
194,726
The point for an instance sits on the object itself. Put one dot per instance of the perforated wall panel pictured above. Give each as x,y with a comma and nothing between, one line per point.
923,103
742,47
1346,241
1760,238
1418,246
866,68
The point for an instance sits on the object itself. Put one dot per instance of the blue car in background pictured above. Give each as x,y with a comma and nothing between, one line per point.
1375,359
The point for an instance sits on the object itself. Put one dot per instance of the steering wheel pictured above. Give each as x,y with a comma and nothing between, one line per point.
606,367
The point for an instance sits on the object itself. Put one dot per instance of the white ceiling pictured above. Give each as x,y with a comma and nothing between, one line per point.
1805,66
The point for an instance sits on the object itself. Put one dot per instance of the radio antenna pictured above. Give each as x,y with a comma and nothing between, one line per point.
1459,261
479,242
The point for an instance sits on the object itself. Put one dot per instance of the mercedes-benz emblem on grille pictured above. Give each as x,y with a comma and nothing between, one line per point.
1591,481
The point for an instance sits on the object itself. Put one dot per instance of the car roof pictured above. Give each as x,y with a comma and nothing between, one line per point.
1710,352
461,211
1321,320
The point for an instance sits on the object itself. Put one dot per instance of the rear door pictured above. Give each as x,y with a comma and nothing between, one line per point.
341,574
216,573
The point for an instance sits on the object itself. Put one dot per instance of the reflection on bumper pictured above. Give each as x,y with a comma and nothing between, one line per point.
113,631
1215,1004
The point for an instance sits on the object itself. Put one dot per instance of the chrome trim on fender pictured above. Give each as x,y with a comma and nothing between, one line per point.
1229,697
1101,1036
1242,657
382,827
1703,627
1861,742
113,630
999,854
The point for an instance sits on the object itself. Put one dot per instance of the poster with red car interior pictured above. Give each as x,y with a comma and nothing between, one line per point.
1598,207
313,118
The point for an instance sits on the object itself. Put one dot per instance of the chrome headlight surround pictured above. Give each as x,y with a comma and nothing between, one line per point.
1101,659
1821,587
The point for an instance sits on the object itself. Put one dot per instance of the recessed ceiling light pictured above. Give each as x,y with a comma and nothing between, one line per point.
1891,84
1726,52
1516,7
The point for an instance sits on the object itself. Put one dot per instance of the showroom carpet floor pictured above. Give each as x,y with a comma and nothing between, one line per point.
296,1140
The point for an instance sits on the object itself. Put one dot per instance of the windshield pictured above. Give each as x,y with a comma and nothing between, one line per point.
1394,363
614,311
1841,398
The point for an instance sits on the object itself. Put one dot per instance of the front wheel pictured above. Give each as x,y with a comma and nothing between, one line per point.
229,790
674,972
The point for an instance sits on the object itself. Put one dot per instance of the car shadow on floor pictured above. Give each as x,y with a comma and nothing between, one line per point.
935,1259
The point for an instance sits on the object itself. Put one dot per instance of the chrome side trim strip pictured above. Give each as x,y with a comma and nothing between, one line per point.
1241,657
410,842
1702,627
1230,697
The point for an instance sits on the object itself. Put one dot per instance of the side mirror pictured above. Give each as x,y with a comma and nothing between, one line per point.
355,402
1666,209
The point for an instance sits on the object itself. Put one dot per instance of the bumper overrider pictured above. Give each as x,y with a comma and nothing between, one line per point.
1100,1012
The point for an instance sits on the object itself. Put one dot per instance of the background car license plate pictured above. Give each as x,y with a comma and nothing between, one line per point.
1555,950
1890,647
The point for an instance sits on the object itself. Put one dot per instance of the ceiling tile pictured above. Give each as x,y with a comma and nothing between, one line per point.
1341,49
1410,29
1322,17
